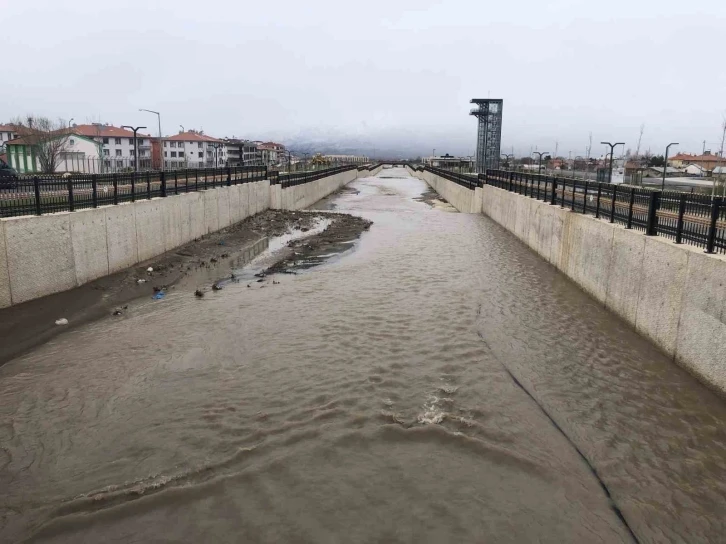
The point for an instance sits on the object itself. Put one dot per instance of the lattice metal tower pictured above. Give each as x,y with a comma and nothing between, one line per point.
489,133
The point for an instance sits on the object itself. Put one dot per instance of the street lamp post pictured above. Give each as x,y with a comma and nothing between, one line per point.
612,155
665,164
539,165
433,154
158,115
69,122
136,149
507,156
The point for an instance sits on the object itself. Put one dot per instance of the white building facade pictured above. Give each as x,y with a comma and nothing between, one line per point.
193,149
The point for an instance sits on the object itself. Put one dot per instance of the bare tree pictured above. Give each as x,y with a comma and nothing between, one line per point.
589,147
46,137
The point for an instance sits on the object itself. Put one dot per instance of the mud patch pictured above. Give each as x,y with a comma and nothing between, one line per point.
337,238
435,200
203,264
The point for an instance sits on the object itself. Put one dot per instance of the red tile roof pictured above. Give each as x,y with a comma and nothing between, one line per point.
192,136
697,158
8,128
104,131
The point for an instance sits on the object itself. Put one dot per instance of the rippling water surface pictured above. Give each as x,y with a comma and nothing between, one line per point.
440,383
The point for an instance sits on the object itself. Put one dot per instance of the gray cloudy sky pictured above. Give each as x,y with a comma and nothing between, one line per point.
391,74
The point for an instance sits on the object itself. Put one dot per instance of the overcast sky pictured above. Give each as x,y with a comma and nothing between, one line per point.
393,73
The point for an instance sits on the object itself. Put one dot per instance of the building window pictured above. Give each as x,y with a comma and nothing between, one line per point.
106,152
133,152
105,141
201,154
165,144
199,145
118,152
181,154
172,144
72,141
131,141
118,141
141,141
119,164
173,153
165,153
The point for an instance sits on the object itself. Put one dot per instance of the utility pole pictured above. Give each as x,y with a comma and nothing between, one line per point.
557,147
665,164
136,149
539,165
612,155
640,138
720,176
161,156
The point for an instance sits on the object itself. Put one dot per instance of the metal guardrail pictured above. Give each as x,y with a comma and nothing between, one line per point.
43,194
694,219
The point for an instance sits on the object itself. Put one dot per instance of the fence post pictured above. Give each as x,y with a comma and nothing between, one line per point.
539,180
630,208
574,193
564,188
681,213
186,180
71,204
148,186
612,203
36,187
715,209
584,199
94,188
597,202
511,177
133,187
229,176
553,198
651,228
115,188
176,182
162,180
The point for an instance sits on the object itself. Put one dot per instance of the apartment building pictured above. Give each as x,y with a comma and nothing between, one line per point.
117,145
271,153
242,152
194,149
77,154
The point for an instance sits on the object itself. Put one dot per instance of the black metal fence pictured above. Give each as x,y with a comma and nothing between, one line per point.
694,219
42,194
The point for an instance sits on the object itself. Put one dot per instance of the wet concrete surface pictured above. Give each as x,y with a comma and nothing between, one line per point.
438,382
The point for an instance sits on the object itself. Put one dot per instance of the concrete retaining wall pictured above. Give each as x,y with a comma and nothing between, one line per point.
675,295
307,194
462,198
51,253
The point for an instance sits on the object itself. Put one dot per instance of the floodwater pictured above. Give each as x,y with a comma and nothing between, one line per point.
438,383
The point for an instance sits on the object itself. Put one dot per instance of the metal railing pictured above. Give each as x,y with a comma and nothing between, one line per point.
694,219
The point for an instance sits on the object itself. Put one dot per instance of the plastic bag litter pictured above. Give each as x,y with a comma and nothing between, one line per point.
159,295
61,321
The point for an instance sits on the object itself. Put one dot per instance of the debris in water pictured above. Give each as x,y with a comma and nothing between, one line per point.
150,269
61,321
117,311
248,285
159,295
224,255
216,287
140,281
260,280
159,289
260,275
212,260
275,282
198,293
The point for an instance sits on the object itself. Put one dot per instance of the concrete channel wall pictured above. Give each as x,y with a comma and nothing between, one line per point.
41,255
674,295
462,198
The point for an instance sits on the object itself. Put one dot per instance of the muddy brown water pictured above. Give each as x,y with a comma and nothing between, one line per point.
437,383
